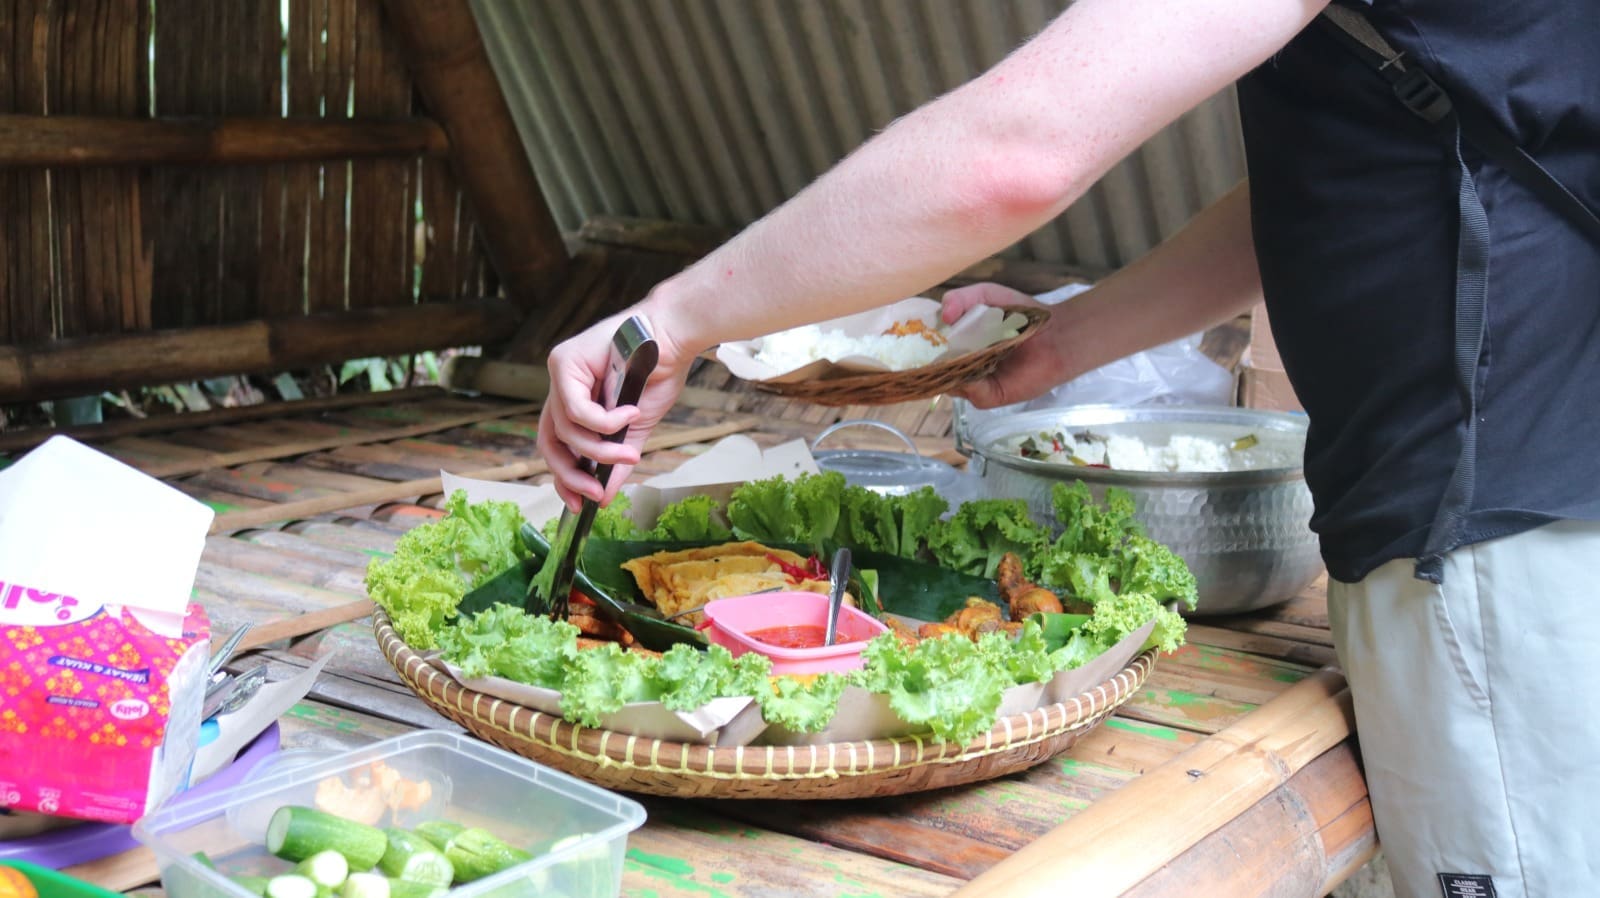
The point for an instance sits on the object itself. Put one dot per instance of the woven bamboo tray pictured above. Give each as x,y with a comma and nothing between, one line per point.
836,770
889,387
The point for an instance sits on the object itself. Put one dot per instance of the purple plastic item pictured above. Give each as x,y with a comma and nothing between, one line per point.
91,841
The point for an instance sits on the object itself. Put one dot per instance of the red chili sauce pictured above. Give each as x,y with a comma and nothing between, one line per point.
794,636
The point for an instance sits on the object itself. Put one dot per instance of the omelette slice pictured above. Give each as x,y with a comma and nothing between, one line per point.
683,579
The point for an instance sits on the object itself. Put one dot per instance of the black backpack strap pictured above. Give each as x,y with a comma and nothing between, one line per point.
1424,97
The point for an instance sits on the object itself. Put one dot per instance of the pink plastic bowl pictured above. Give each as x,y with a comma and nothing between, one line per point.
730,621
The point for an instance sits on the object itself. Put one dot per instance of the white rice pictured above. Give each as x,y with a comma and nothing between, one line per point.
1180,453
800,346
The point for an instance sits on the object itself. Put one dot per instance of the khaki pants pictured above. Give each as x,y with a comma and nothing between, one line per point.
1478,713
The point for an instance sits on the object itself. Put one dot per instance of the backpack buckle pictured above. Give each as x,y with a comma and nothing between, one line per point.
1422,95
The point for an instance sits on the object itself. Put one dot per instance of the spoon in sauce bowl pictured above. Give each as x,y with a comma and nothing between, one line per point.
839,577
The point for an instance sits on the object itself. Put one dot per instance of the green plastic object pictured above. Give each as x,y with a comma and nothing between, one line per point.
57,885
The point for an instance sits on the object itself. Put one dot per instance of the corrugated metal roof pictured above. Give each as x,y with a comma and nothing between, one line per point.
714,111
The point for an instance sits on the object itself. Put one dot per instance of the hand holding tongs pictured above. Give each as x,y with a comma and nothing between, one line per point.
634,354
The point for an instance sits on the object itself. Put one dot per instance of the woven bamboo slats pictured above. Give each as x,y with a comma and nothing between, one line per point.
194,164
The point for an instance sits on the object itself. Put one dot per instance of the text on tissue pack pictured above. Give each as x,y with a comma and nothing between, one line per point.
20,604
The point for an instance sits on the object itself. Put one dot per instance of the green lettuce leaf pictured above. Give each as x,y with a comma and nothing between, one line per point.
949,683
690,518
981,531
434,564
804,707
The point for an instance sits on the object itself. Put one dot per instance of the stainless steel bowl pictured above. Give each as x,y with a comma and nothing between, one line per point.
1245,534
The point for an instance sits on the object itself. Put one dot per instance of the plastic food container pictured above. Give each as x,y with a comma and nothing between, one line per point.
729,623
577,832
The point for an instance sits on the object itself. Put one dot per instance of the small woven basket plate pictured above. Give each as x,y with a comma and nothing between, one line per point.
835,770
889,387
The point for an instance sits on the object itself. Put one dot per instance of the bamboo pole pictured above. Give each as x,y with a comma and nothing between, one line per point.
83,140
427,486
90,433
515,380
304,624
1304,838
451,68
1118,841
93,364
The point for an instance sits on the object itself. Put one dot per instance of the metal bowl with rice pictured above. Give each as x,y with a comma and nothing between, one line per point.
1244,533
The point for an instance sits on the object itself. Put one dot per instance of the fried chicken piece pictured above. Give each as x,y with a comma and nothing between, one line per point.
1037,600
1021,595
931,631
977,617
902,630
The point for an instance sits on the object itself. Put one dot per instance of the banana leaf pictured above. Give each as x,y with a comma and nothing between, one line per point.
906,587
916,589
514,587
1057,627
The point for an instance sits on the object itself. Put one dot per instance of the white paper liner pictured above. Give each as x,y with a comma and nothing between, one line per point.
980,327
1069,684
717,472
721,721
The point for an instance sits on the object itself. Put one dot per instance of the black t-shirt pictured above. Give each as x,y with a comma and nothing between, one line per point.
1354,204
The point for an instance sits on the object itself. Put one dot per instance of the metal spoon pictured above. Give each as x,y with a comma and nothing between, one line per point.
839,578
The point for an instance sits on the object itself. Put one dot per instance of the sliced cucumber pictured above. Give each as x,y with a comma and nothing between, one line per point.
401,888
440,832
365,885
327,868
291,885
255,885
477,853
295,833
411,857
589,873
376,885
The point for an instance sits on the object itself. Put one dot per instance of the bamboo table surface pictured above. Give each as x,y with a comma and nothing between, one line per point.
307,495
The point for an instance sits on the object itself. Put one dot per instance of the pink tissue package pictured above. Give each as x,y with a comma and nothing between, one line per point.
99,704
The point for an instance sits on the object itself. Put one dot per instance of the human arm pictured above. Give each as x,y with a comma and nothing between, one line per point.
1201,276
952,182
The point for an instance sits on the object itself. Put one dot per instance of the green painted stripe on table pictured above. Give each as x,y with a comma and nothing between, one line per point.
1154,731
670,872
221,507
324,716
1205,657
1073,767
1192,710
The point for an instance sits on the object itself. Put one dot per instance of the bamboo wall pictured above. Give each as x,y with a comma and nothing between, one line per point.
120,249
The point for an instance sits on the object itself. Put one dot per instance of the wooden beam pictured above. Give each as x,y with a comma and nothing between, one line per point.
93,364
13,441
81,140
451,69
1110,846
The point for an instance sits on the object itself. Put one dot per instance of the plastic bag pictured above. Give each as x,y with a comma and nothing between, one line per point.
1175,373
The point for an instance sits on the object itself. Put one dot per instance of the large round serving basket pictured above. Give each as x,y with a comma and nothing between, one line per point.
833,770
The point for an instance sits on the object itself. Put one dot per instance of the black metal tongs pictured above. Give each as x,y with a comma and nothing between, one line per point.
634,354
